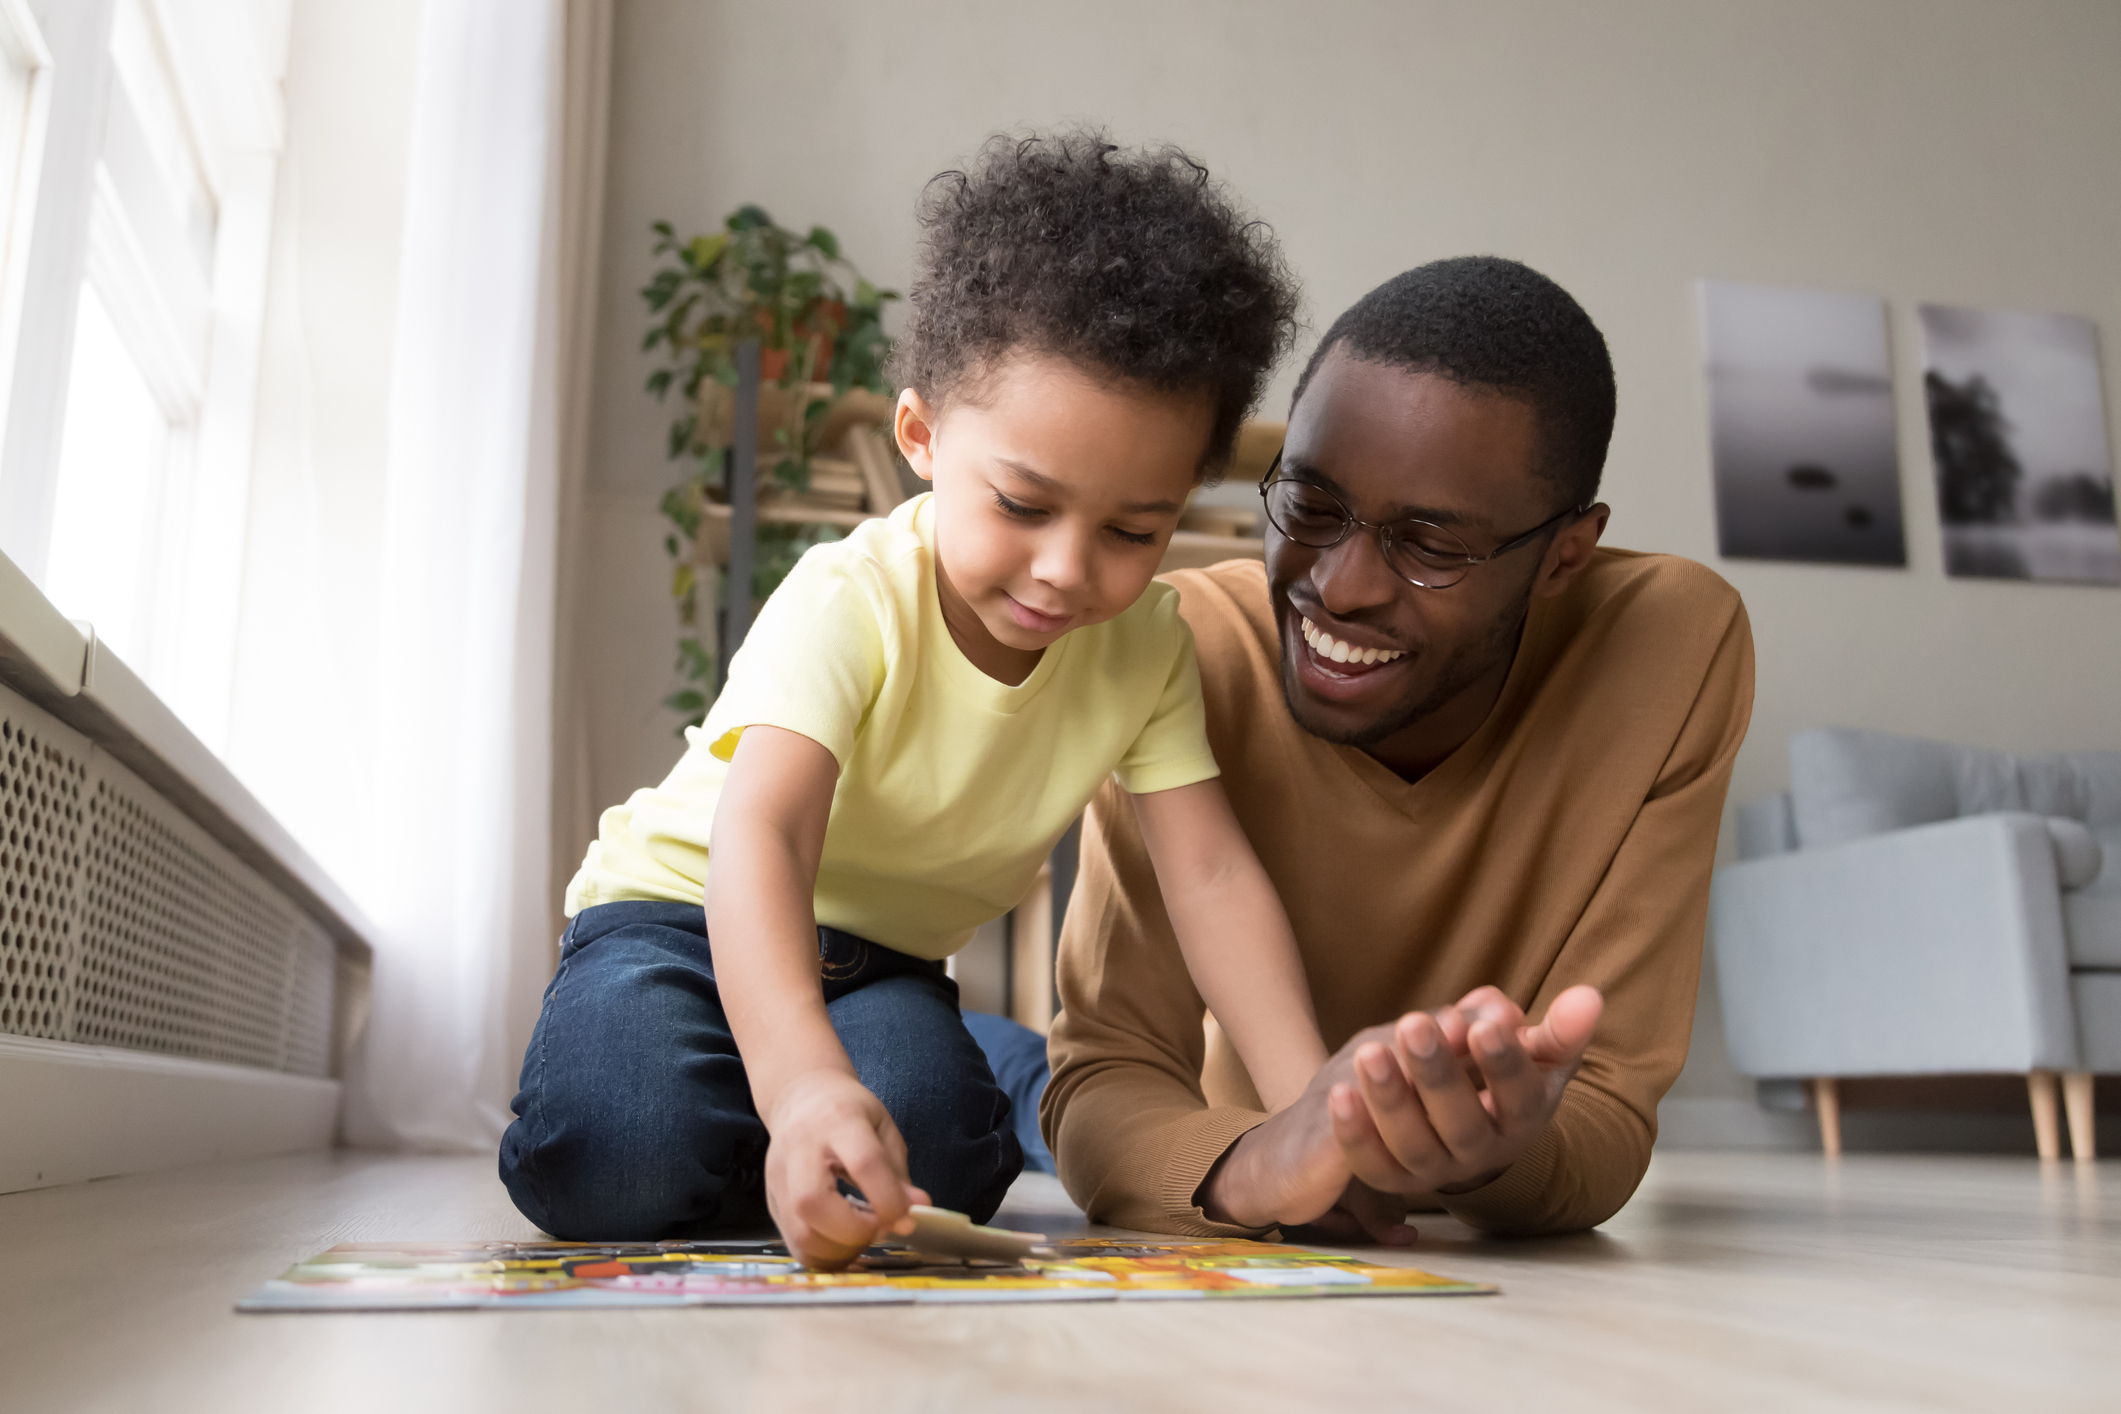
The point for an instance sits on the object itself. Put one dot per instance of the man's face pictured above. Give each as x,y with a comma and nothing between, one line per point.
1393,444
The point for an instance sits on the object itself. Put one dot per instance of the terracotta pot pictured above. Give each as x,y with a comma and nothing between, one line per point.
828,319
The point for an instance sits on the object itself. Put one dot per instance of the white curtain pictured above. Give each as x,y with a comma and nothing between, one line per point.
465,617
396,700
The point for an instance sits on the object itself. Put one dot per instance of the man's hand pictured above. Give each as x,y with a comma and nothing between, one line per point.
1398,1110
1414,1121
825,1126
1362,1215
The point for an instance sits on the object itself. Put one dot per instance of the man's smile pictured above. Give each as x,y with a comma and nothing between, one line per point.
1333,665
1342,650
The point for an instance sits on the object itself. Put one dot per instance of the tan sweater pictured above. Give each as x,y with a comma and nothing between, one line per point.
1569,840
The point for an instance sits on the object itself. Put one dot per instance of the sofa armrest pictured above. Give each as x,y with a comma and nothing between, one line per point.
1930,950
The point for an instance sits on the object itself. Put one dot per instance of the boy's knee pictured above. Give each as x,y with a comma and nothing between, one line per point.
960,1145
973,1178
910,1047
634,1119
626,1182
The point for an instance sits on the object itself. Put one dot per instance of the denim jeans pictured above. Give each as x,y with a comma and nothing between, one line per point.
635,1121
1017,1056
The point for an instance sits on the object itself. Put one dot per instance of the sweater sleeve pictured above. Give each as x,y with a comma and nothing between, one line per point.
1125,1113
1639,942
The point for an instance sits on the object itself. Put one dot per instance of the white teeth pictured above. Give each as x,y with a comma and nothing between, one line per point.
1325,645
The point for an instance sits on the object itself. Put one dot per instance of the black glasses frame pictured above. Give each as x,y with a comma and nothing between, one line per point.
1458,569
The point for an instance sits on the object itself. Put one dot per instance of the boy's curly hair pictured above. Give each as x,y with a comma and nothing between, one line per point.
1134,265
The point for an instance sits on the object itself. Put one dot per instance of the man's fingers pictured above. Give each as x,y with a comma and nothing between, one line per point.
1395,1111
1565,1030
1454,1024
1490,1004
1516,1093
1383,1216
1361,1148
1451,1108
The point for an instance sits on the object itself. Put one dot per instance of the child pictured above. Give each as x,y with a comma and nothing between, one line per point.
918,714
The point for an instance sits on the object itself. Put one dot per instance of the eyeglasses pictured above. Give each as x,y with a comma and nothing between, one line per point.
1421,552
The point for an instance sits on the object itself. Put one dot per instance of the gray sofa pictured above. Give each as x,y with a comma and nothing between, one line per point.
1910,907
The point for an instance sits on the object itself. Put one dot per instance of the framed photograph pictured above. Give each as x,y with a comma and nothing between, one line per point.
2017,413
1806,455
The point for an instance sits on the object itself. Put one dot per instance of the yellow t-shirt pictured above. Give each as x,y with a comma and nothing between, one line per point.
953,787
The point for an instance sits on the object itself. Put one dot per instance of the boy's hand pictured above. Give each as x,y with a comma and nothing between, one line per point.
825,1126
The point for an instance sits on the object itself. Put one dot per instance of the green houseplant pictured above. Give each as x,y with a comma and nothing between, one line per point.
817,321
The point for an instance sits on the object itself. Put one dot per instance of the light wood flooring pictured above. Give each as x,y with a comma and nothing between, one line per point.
1733,1281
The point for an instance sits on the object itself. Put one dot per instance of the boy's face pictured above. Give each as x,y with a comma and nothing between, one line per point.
1054,496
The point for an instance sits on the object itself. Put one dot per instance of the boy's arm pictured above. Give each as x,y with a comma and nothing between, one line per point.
769,832
1234,934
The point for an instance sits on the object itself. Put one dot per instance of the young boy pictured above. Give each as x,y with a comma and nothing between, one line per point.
915,719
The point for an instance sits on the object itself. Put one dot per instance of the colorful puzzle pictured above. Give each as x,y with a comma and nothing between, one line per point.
417,1276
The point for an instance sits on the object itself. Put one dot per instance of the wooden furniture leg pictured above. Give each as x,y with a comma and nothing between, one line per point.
1031,955
1826,1096
2077,1099
2047,1136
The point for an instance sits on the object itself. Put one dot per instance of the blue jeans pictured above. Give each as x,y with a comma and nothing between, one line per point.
635,1121
1017,1056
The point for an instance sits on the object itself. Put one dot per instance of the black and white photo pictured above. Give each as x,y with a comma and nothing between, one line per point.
1801,425
2017,414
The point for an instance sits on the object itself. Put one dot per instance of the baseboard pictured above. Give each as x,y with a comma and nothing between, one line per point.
70,1112
1732,1124
1744,1124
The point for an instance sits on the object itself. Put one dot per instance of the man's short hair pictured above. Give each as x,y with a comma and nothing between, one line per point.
1489,323
1132,264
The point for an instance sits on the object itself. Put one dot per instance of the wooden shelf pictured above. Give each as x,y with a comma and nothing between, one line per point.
1194,549
792,510
1188,550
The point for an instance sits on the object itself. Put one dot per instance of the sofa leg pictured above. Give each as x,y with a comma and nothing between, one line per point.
2077,1099
2047,1135
1826,1098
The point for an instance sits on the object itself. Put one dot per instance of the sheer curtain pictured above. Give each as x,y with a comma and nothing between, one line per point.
427,788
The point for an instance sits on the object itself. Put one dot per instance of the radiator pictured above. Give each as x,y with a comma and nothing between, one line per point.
124,924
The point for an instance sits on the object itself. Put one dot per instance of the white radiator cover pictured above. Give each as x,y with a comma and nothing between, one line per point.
125,925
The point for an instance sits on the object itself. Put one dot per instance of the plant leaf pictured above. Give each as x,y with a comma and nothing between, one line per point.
706,250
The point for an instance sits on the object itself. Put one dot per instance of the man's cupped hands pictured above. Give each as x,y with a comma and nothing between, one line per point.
1437,1103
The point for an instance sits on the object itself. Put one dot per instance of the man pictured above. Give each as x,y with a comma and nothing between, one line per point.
1484,762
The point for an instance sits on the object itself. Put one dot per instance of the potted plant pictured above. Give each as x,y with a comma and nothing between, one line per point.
819,325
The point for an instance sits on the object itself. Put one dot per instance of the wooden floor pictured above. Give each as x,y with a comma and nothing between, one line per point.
1733,1281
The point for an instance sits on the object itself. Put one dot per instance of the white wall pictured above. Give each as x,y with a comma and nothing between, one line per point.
1950,150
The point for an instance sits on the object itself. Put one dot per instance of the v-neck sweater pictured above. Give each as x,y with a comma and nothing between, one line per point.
1569,840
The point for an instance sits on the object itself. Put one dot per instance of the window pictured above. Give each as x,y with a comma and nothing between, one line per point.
171,157
25,103
105,548
142,339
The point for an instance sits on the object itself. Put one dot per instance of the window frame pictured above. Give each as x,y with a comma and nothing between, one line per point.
199,350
